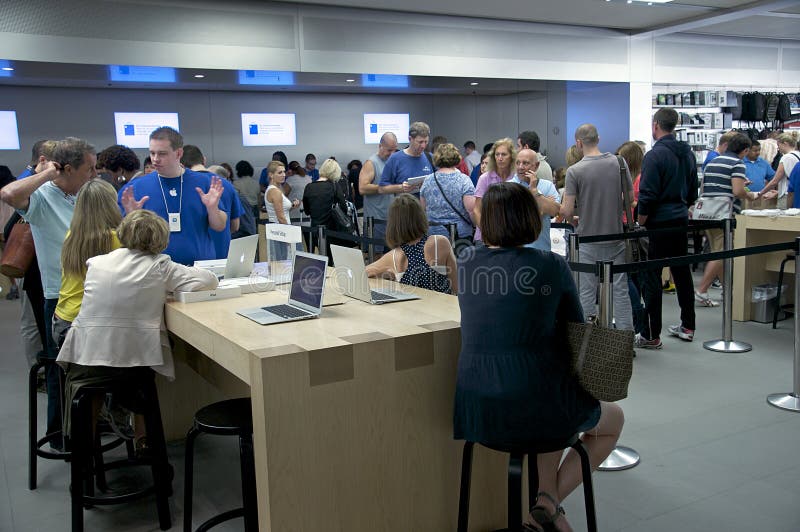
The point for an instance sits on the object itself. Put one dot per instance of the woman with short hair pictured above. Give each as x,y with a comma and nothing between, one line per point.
515,382
318,199
416,258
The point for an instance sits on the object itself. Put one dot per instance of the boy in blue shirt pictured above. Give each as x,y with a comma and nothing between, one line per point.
758,171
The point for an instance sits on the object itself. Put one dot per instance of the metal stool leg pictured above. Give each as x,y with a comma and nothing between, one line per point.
160,465
780,285
466,478
81,442
515,492
588,490
33,436
188,479
249,498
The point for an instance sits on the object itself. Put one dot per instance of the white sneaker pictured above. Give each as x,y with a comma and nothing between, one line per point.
704,300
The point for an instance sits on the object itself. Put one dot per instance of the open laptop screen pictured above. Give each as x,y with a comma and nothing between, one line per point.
308,280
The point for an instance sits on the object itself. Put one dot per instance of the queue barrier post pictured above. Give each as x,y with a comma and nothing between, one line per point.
452,230
574,256
621,457
727,344
371,234
322,247
791,401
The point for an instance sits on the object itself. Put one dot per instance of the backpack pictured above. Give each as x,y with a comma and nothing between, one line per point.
772,107
784,108
736,110
759,107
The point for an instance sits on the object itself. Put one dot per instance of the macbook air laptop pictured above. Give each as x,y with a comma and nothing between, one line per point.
241,256
351,276
305,294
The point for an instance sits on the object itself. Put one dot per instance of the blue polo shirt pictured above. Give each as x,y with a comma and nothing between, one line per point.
193,242
229,202
401,167
264,179
759,172
27,173
713,154
313,174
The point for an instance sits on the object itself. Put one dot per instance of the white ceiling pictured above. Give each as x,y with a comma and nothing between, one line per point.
715,17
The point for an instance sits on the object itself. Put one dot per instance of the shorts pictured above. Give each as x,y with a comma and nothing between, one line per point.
716,239
592,421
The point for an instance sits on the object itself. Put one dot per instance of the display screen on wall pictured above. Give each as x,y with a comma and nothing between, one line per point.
268,129
141,74
376,124
265,77
384,80
6,70
133,129
9,136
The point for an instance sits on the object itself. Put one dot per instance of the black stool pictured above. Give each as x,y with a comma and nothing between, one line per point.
227,418
515,479
35,443
80,442
778,306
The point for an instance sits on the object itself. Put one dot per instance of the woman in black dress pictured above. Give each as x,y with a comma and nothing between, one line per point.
515,383
318,199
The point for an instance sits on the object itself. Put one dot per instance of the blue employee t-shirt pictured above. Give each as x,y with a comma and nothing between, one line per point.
401,167
476,173
713,154
759,172
547,188
313,174
264,179
27,173
229,202
193,242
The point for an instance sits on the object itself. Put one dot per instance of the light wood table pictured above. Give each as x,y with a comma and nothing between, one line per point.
759,269
352,412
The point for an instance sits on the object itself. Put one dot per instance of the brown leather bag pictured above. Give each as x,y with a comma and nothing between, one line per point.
18,252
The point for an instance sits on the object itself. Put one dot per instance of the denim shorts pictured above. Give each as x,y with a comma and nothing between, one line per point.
592,421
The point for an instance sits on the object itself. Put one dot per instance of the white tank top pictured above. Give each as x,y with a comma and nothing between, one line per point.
273,218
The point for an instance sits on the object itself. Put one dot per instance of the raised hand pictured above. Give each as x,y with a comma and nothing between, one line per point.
129,202
211,198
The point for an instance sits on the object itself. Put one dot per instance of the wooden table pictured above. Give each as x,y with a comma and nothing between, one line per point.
759,269
352,412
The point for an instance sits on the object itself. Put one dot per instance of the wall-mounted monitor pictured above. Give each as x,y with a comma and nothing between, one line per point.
6,70
133,129
141,74
376,124
9,135
266,77
268,129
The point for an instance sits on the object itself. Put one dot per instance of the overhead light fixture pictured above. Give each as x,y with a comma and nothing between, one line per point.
350,80
199,76
474,83
8,69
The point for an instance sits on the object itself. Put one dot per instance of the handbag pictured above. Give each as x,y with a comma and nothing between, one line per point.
19,251
343,222
635,248
602,359
712,208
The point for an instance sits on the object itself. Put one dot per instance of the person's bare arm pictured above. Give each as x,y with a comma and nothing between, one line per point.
567,208
366,187
476,211
275,196
234,225
18,193
547,205
773,183
382,267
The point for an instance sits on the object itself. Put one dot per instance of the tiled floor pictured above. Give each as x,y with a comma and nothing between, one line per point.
715,456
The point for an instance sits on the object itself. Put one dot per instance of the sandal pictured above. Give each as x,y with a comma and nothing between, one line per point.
542,515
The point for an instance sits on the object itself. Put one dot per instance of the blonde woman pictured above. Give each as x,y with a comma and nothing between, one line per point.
92,232
499,168
318,198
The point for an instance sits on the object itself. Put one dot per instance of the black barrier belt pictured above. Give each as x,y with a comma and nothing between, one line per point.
684,260
693,226
561,225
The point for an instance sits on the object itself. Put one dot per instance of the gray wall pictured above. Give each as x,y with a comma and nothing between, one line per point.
327,124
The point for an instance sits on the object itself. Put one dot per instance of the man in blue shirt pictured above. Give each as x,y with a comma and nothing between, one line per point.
722,147
311,170
794,184
188,200
758,171
544,192
36,158
407,163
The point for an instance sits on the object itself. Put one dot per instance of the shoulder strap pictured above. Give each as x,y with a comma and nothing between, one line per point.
436,180
626,194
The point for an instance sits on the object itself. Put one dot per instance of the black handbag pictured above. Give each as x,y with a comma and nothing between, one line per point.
343,222
635,248
602,359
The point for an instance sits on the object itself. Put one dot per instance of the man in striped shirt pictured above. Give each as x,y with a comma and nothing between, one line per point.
724,176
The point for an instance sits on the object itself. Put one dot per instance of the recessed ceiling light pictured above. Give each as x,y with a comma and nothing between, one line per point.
8,69
474,83
350,80
199,76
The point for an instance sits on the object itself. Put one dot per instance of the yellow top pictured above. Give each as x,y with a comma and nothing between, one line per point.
70,296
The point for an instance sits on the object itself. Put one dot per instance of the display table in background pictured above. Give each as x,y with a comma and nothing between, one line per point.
352,412
759,269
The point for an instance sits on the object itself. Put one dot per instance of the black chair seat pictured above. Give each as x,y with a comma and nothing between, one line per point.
231,417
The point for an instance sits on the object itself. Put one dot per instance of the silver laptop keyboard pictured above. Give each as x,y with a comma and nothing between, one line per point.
377,296
286,311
